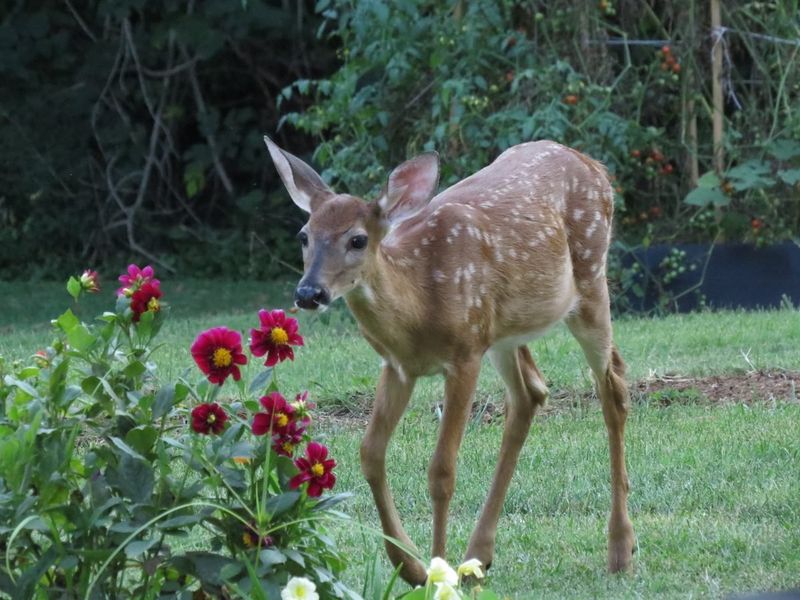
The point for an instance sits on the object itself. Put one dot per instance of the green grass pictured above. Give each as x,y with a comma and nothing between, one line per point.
715,492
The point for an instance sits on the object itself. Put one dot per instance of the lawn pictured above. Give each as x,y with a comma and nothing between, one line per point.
714,489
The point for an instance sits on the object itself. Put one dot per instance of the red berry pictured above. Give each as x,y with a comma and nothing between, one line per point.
572,99
665,49
635,153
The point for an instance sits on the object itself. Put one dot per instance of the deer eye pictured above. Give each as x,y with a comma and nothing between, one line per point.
358,242
303,238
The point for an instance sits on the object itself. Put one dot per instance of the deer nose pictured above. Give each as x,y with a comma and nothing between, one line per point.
310,296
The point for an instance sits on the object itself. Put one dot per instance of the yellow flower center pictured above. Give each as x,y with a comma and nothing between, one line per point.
248,540
153,305
211,418
288,447
282,420
279,336
241,460
318,470
222,357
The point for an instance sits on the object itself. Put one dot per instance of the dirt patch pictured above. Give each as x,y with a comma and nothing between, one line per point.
744,388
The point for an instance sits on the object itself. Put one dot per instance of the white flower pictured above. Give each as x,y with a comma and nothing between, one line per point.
445,591
441,572
471,567
299,588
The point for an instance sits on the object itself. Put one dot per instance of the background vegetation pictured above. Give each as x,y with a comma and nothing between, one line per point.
131,129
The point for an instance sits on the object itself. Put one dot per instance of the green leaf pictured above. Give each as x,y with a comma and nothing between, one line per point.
751,174
261,381
708,180
134,369
277,505
164,401
790,176
706,196
295,556
139,547
418,594
194,179
784,149
135,479
142,438
30,577
180,521
74,287
486,595
331,501
67,321
126,448
25,387
271,556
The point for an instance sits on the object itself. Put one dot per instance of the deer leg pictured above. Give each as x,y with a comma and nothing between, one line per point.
526,392
459,387
391,399
592,328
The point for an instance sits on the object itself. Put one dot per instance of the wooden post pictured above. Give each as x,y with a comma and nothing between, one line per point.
690,88
716,88
716,93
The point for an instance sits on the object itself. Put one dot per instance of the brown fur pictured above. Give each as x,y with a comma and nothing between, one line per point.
482,267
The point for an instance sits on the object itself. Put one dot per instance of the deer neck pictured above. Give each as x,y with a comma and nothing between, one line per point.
386,304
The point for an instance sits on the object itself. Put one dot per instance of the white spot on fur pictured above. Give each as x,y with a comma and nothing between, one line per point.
578,214
591,229
512,253
586,253
439,276
416,252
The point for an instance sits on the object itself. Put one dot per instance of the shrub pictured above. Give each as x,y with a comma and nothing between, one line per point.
113,484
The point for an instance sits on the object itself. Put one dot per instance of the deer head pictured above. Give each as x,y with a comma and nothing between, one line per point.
343,232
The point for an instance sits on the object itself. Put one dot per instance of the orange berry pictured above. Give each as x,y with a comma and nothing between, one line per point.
572,99
676,68
727,188
757,224
657,156
665,49
635,153
664,66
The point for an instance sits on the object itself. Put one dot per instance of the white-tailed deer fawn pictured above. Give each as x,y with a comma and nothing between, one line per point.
436,282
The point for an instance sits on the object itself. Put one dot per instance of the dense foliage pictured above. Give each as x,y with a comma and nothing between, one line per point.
133,128
626,84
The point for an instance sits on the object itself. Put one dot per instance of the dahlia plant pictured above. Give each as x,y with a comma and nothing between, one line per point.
114,483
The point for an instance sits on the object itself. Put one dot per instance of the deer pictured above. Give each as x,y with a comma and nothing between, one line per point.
436,281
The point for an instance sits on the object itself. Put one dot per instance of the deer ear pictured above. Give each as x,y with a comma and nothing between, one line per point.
410,186
304,185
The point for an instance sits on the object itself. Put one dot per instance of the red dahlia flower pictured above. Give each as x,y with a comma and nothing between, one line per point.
134,279
90,282
275,338
316,469
208,418
285,443
218,352
277,416
145,299
251,539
